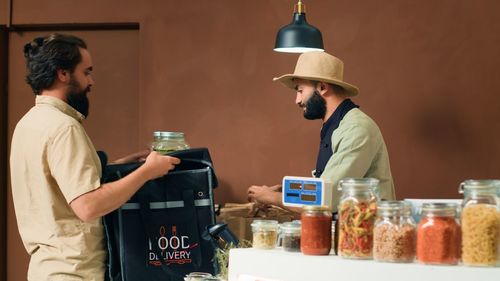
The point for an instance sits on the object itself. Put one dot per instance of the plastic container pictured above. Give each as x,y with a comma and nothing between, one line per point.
480,220
357,210
290,233
394,233
265,234
316,236
438,234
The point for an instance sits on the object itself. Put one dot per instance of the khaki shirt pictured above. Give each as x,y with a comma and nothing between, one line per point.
359,151
52,162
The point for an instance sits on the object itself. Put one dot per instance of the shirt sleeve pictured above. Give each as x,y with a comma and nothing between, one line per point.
352,157
71,158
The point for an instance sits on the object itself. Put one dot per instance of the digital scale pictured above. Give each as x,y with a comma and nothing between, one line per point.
303,191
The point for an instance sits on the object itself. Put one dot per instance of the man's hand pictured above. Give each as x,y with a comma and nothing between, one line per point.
267,195
112,195
134,157
158,165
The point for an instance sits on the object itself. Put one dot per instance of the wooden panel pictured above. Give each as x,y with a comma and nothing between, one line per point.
3,152
71,11
4,7
113,120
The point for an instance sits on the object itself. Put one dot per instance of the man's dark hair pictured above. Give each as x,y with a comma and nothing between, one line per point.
46,55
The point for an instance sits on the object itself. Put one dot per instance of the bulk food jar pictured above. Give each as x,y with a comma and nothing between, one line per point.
480,221
168,142
438,234
290,233
394,234
357,208
265,234
316,235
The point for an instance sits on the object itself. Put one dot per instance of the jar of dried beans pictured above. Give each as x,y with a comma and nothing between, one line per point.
357,209
480,221
265,234
438,234
394,234
290,233
316,236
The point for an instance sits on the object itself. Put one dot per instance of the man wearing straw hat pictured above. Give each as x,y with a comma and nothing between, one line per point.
351,143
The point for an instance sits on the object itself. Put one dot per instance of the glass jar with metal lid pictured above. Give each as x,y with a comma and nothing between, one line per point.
169,142
480,220
156,140
290,233
316,235
438,234
197,276
265,234
357,209
394,233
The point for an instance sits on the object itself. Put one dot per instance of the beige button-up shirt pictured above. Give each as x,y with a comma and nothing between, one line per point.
52,162
359,151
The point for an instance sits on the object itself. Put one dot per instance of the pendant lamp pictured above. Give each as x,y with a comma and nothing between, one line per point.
298,36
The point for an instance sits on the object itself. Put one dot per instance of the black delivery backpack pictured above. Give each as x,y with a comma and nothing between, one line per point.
162,232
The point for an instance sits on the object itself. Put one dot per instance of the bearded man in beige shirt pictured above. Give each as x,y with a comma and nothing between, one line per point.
55,171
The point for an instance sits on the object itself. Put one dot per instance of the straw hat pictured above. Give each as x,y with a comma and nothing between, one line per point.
318,66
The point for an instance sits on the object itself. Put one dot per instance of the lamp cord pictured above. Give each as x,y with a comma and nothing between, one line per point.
300,7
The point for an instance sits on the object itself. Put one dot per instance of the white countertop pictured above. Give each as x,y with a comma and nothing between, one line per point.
278,265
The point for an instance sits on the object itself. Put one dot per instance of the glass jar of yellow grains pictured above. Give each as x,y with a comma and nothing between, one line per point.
265,234
480,223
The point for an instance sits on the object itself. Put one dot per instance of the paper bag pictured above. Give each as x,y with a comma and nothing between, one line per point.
239,217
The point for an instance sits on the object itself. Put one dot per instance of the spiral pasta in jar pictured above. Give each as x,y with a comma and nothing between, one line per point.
357,209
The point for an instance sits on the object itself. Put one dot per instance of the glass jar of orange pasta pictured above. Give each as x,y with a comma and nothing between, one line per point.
357,209
480,221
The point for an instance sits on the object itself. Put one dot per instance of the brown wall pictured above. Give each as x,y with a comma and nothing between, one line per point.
3,151
427,72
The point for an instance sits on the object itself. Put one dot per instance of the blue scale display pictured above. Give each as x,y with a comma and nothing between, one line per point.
301,191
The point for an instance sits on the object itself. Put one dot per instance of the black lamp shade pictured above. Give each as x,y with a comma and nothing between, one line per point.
298,36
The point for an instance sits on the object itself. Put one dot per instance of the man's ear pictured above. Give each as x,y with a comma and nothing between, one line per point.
322,88
63,75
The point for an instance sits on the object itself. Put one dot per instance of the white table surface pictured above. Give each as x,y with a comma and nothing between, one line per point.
278,265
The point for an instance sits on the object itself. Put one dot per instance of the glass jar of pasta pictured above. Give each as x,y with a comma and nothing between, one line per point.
357,208
480,221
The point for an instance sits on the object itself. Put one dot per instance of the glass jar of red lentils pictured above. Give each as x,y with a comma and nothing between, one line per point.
438,234
316,235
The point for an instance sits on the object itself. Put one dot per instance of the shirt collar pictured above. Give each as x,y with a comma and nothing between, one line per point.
337,116
61,106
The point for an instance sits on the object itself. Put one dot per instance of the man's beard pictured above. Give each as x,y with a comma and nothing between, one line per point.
77,97
315,107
